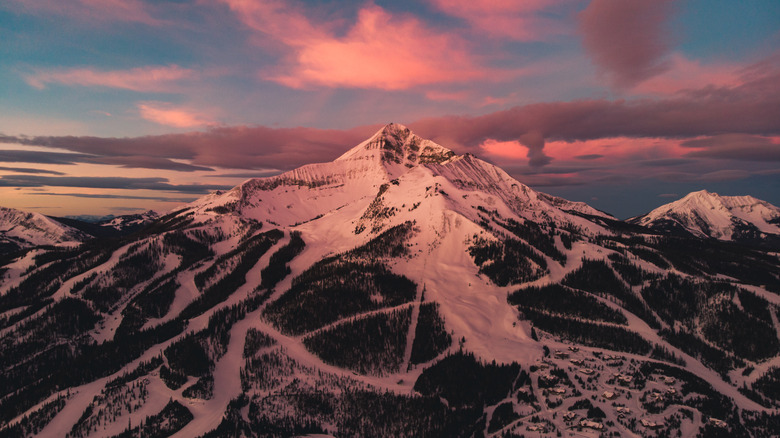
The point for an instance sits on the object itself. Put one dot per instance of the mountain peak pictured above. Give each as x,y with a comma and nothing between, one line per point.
705,213
701,193
397,144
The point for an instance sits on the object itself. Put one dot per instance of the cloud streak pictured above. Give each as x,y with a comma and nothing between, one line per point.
107,182
30,170
517,20
91,11
165,114
741,147
238,147
121,159
143,79
111,196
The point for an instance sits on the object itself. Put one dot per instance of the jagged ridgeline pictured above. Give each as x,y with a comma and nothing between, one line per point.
399,290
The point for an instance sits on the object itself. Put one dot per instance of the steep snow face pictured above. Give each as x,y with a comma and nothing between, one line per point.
472,174
396,147
25,229
707,214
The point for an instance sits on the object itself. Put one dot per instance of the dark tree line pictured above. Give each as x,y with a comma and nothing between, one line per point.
508,261
597,277
591,334
768,385
255,340
431,337
278,267
557,299
631,273
465,381
170,420
141,262
247,255
747,332
372,345
333,289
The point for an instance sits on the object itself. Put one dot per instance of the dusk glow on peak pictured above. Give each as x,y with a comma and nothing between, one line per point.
125,105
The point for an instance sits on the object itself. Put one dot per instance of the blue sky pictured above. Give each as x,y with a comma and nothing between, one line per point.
620,104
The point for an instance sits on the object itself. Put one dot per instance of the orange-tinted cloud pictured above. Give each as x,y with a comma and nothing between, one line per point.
504,149
380,50
166,114
438,95
516,20
612,149
149,78
627,38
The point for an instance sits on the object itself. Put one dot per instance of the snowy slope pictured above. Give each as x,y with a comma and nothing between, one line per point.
26,229
707,214
394,154
396,226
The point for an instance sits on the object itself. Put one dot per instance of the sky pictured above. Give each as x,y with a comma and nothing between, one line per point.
119,106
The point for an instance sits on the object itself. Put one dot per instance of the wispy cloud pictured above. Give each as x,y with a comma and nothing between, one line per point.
119,158
30,170
108,182
92,11
144,79
687,74
741,147
40,157
166,114
115,196
525,20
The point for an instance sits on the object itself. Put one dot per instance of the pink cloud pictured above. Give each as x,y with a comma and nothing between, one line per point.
627,39
577,133
504,149
517,20
437,95
686,74
166,114
379,50
150,78
91,10
615,149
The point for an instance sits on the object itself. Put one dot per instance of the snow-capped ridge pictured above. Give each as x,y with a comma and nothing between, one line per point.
394,154
21,229
130,220
708,214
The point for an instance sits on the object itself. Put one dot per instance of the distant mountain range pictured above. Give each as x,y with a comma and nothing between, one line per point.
399,290
22,230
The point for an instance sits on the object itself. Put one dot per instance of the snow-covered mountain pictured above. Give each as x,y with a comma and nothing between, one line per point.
20,229
399,290
707,214
130,221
